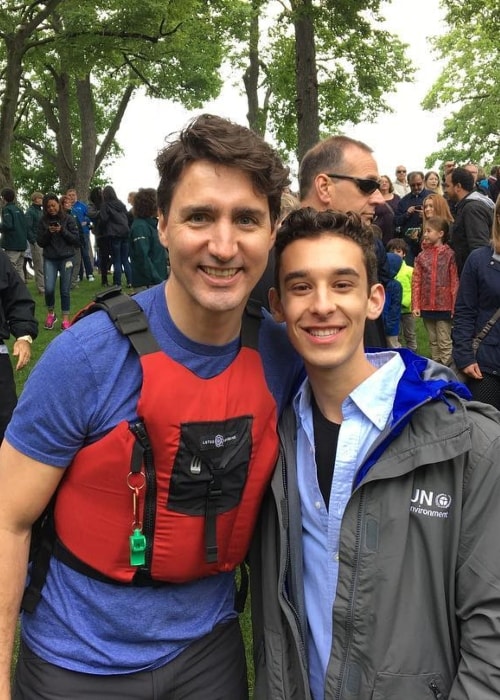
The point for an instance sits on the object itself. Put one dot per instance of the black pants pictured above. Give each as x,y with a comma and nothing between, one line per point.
212,668
8,398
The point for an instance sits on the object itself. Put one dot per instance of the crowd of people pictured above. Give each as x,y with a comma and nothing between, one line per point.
437,225
186,430
54,234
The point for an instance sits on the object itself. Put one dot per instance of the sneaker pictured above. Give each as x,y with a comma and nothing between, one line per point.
65,325
50,321
91,278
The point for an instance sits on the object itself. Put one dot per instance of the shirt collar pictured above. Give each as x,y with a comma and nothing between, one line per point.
374,397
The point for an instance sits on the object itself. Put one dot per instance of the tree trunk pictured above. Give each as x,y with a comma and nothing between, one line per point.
306,78
251,76
13,73
16,46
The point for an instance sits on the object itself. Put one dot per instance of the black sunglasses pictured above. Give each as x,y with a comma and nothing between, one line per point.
365,185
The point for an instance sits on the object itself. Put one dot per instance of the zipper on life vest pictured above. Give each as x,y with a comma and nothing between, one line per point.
435,689
149,513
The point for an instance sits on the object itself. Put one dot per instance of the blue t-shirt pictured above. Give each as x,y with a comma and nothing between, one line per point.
87,381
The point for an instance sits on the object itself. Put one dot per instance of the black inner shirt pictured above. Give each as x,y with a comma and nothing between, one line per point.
326,437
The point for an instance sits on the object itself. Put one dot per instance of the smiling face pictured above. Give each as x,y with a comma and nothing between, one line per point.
325,300
218,233
428,207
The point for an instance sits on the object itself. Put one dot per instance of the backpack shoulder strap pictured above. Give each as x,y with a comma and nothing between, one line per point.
250,325
127,316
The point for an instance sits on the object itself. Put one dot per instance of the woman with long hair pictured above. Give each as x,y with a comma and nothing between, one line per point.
115,225
432,182
436,205
58,237
476,329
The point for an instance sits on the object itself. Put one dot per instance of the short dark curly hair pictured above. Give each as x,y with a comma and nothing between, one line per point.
309,223
145,203
212,138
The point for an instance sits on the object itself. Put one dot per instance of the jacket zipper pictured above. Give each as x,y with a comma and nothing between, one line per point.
287,562
435,689
349,620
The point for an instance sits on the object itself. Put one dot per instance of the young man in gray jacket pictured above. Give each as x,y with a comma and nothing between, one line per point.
375,569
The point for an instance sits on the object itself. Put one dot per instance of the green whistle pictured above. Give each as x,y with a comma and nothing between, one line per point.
137,548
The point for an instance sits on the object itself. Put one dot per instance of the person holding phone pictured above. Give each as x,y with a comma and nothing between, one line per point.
58,236
408,218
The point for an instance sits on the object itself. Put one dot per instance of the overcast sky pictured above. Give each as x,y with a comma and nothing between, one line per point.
405,137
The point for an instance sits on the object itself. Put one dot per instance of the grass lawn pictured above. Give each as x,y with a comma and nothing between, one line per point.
81,297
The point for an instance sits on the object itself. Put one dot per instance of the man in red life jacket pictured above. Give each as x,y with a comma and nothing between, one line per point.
164,452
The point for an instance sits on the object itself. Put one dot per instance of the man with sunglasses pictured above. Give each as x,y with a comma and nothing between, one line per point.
400,184
341,173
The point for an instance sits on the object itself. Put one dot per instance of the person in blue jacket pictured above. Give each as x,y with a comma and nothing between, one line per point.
393,298
477,301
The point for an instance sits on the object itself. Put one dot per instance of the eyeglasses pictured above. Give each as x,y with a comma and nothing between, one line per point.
401,171
365,185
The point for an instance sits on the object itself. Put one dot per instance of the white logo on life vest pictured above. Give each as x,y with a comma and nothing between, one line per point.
426,503
217,441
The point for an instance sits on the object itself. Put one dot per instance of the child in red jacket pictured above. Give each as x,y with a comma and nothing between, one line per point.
434,288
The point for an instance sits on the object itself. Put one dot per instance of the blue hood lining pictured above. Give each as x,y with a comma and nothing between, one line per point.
412,391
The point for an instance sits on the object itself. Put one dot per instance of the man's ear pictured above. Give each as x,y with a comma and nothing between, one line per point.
275,305
162,229
322,186
376,301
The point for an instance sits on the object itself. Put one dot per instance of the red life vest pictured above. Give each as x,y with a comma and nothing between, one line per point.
188,477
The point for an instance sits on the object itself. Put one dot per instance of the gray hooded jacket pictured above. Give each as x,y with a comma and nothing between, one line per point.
417,609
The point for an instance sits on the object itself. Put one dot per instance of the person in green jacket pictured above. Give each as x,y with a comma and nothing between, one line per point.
147,256
404,275
14,230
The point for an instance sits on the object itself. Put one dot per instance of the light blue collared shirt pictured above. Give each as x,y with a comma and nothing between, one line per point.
366,412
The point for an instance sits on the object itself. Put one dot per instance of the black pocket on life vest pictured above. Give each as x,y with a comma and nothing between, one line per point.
212,461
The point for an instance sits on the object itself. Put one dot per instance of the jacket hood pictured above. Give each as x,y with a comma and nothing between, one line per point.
116,204
478,197
394,261
422,381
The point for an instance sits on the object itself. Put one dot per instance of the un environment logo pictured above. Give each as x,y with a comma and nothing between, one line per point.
443,500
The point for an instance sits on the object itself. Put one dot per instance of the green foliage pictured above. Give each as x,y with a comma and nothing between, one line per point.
358,64
469,83
172,50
